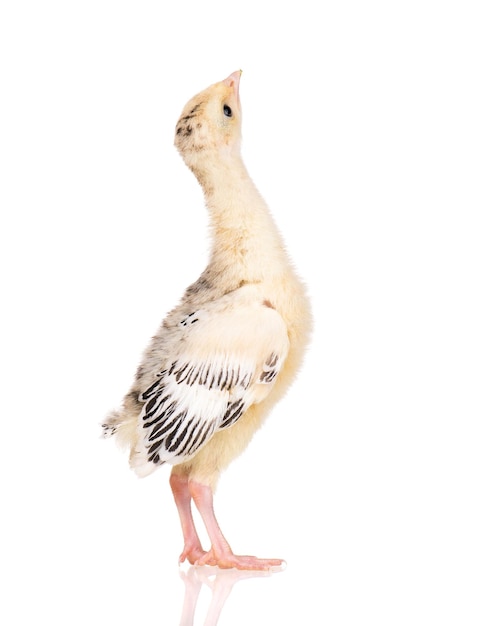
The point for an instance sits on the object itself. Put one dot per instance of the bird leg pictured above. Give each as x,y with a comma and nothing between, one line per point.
220,553
192,545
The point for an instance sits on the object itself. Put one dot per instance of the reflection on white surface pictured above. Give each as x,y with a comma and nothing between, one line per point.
219,581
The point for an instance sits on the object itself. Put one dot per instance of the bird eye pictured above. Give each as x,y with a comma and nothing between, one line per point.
227,111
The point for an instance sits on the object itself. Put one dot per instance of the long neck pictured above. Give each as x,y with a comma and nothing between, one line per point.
245,239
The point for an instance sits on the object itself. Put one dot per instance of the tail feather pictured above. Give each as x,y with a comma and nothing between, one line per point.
122,425
110,426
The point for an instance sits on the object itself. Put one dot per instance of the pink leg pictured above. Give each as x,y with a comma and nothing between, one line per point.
192,545
220,553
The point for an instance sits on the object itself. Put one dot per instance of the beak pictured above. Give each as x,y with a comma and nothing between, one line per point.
233,81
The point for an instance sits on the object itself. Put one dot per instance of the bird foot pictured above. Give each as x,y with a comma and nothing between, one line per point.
192,553
228,560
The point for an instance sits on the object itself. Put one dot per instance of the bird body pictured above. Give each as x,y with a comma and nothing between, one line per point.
234,343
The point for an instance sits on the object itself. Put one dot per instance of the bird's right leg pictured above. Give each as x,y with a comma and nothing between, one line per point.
193,550
220,553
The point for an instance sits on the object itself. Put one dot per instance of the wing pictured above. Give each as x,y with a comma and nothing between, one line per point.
222,363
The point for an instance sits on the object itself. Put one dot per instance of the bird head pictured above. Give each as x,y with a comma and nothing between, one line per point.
210,124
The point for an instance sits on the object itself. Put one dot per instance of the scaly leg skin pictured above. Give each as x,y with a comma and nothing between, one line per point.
220,553
192,550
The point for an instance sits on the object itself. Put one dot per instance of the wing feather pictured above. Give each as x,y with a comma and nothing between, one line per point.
218,367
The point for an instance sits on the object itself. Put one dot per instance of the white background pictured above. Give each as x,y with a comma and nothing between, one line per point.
362,129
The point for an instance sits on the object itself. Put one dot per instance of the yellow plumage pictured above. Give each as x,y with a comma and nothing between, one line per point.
227,353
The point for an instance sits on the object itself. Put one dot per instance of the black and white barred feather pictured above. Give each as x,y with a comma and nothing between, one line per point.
212,379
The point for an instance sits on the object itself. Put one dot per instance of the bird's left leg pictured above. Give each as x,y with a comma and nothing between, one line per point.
192,550
220,553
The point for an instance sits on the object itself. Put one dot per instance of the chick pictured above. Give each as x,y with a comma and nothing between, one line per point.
227,353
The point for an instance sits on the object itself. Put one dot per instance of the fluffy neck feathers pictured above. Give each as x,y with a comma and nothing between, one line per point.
244,235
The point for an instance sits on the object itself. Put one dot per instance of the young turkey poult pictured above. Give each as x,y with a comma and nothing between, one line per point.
229,350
